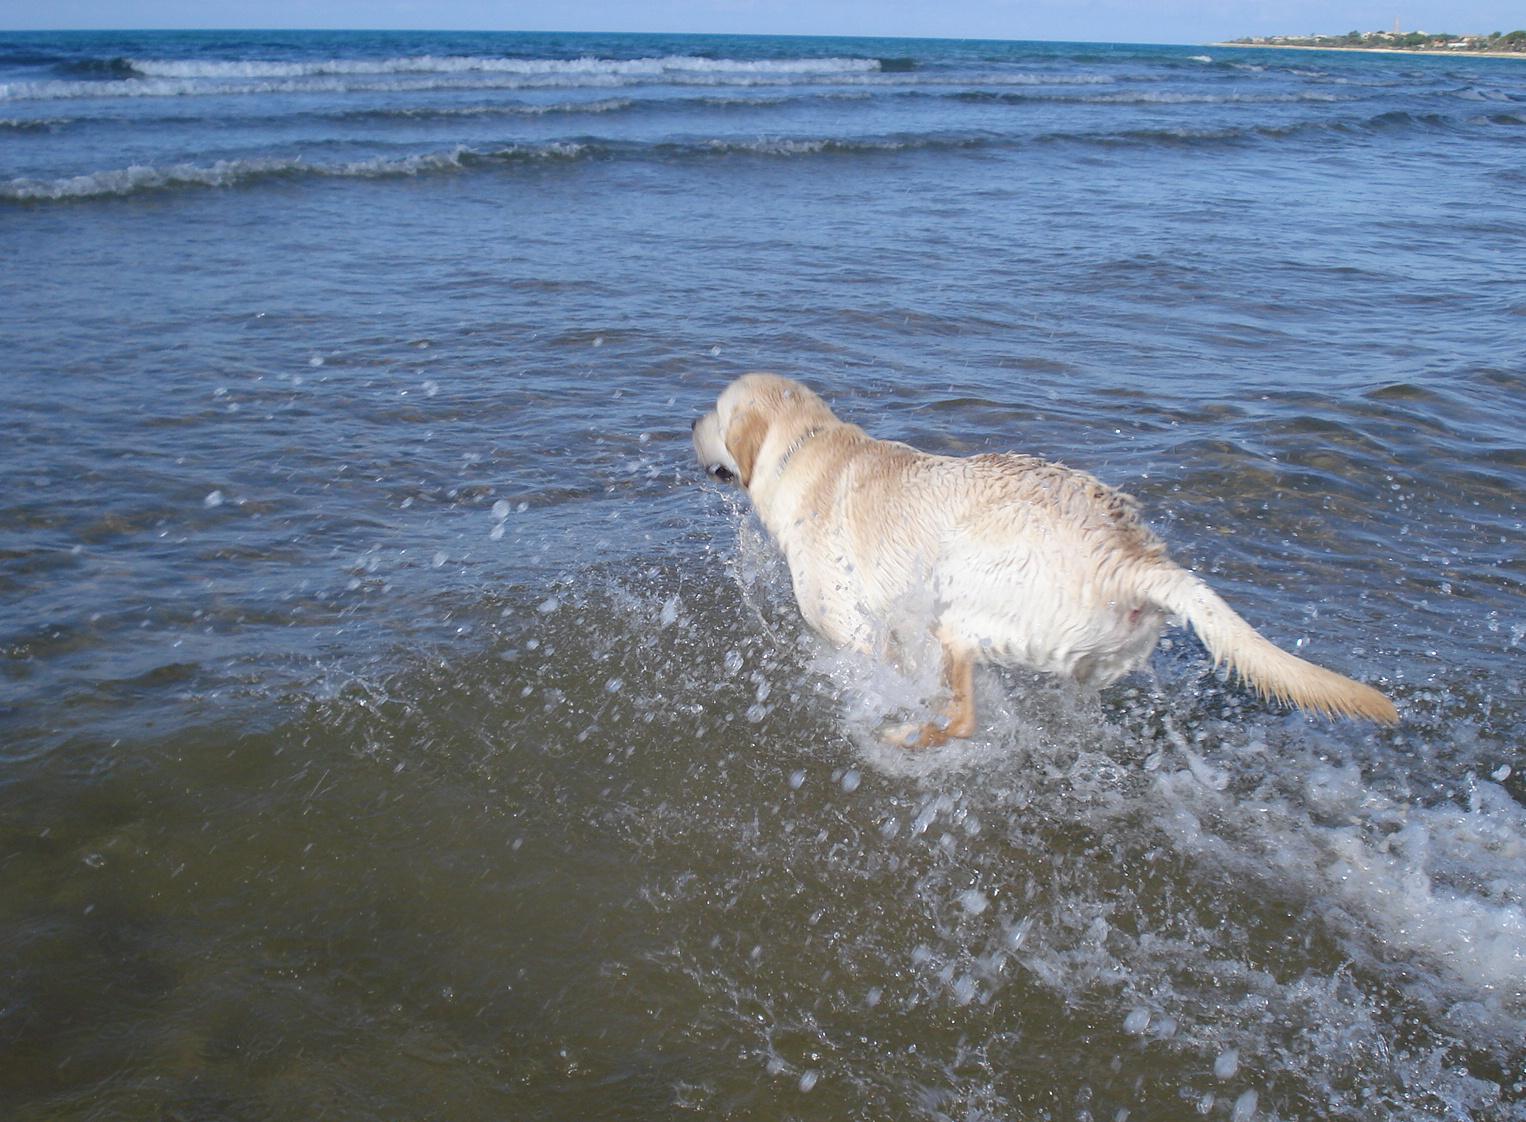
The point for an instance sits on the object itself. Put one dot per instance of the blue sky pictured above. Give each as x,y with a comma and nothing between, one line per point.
1158,21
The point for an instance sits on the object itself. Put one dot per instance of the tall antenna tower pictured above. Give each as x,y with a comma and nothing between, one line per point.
1396,26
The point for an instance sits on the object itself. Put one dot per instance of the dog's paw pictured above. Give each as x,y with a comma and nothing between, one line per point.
914,736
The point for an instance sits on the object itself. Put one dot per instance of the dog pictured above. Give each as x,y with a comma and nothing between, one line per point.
1002,558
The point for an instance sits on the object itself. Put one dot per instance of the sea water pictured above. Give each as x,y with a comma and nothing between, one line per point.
393,723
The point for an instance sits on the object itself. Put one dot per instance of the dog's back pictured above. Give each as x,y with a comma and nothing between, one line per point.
1041,570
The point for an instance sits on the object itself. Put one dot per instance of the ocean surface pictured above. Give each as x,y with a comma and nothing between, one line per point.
395,724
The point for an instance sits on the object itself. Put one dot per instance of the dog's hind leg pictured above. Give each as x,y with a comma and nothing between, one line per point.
958,717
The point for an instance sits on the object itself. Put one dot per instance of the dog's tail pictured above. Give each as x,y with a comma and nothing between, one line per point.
1265,666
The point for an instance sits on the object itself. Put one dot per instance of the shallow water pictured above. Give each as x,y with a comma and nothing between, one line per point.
393,724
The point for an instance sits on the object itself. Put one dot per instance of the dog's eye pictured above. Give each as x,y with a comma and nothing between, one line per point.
721,472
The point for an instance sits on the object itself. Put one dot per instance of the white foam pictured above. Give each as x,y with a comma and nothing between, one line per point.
34,124
177,78
466,64
1439,884
174,78
138,177
1429,895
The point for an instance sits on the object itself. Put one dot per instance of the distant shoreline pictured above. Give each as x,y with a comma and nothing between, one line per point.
1374,50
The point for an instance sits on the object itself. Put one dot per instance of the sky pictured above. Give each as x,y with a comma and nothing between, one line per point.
1131,21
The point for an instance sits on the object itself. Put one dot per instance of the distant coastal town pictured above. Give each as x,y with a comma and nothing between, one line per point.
1507,43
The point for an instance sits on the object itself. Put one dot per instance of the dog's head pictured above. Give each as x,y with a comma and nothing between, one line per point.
757,419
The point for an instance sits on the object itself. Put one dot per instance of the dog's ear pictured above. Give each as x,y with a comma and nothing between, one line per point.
744,440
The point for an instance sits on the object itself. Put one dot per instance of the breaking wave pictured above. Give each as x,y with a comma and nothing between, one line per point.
231,173
234,172
426,64
175,78
33,124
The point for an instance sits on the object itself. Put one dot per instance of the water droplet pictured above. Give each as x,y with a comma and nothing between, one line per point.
851,780
439,560
974,902
549,605
1245,1107
669,614
808,1079
501,509
796,779
1137,1021
1227,1064
214,498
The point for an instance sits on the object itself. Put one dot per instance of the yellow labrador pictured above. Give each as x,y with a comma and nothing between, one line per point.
1001,558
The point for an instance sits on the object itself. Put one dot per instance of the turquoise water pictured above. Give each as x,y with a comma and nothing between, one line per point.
393,723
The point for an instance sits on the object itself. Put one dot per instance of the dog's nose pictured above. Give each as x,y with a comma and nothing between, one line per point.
694,424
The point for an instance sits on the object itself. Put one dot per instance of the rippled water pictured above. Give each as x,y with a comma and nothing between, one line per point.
392,724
